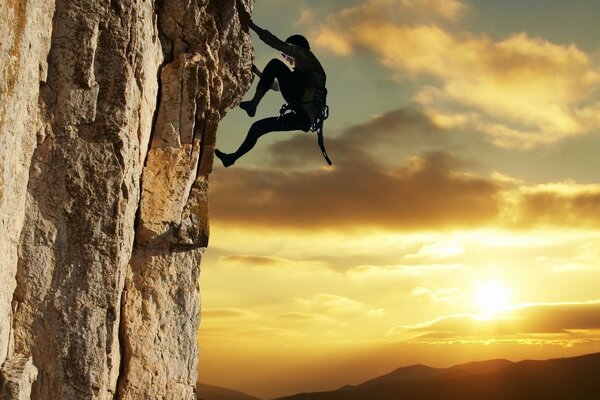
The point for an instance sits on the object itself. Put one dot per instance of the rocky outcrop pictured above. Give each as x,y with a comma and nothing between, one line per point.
108,118
18,375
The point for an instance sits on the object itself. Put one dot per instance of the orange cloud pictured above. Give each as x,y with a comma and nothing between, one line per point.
390,271
337,34
550,318
547,208
333,41
430,191
300,317
278,263
331,304
559,204
251,260
247,333
520,92
425,192
448,9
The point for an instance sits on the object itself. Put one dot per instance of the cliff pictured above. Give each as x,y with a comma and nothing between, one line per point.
108,117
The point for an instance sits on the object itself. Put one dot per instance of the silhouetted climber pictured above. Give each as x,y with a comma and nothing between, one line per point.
303,88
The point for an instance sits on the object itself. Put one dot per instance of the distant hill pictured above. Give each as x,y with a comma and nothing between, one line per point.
576,378
208,392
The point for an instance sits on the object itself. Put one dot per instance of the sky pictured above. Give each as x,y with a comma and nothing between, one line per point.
459,221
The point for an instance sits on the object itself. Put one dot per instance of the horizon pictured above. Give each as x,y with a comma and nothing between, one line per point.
421,365
459,221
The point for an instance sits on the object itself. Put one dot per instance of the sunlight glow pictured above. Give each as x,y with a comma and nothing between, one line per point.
491,297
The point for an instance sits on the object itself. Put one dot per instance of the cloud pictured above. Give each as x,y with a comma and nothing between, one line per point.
331,304
301,317
408,127
426,192
557,204
240,334
448,9
520,91
307,15
341,32
585,260
547,208
544,318
390,271
278,264
437,295
434,190
438,250
333,41
251,260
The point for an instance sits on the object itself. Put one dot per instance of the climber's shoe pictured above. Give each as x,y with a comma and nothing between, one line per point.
227,159
249,107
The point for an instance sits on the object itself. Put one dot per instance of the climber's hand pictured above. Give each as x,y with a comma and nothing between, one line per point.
244,16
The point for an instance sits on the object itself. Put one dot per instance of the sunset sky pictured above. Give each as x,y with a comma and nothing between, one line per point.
461,218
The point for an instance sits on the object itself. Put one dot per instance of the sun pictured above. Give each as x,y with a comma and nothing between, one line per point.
491,297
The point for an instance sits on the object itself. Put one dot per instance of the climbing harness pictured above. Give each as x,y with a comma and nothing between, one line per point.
320,117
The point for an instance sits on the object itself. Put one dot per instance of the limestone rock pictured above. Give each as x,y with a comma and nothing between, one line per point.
108,119
16,378
160,337
23,51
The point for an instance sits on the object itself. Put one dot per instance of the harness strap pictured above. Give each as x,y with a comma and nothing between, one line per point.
284,109
317,125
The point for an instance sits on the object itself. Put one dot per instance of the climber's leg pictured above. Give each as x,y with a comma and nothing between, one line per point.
290,86
288,122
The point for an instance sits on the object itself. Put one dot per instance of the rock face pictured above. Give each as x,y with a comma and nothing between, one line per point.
108,118
18,375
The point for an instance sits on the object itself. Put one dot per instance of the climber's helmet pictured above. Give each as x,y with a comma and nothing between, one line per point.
297,40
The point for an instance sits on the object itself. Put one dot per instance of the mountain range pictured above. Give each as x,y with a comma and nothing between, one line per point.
574,378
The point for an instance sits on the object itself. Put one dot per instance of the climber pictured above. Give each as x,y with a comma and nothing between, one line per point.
303,88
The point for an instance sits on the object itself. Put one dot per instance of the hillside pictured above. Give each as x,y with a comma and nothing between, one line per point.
566,378
209,392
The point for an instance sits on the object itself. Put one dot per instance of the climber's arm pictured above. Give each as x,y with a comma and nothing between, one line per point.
257,72
276,43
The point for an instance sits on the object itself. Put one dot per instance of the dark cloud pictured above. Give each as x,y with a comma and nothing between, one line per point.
403,123
358,192
533,319
555,208
377,181
397,131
